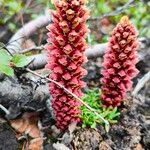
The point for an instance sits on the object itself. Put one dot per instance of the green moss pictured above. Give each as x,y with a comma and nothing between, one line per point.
92,98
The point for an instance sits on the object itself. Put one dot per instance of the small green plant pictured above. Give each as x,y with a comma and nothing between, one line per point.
89,118
102,7
9,8
7,62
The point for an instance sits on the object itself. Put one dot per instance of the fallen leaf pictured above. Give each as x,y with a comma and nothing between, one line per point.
19,125
36,144
28,125
139,147
34,131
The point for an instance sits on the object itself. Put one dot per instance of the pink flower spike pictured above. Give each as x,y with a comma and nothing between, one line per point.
119,63
65,51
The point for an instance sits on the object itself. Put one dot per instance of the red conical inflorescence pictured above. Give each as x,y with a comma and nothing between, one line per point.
65,58
119,63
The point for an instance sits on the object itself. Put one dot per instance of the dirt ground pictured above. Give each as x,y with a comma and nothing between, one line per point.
131,133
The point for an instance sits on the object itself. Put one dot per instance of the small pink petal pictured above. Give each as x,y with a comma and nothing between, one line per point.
122,73
111,71
72,36
63,61
58,70
122,56
117,65
67,49
72,66
116,80
67,76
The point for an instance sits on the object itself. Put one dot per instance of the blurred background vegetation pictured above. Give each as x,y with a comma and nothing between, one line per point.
104,16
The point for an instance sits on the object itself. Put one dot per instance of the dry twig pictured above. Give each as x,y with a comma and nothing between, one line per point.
27,30
119,10
4,109
141,83
35,48
72,94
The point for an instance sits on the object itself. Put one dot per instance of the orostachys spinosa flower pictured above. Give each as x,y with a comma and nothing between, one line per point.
66,46
119,63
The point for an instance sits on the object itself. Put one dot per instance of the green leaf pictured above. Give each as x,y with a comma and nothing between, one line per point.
4,57
20,60
83,125
93,125
6,70
12,26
